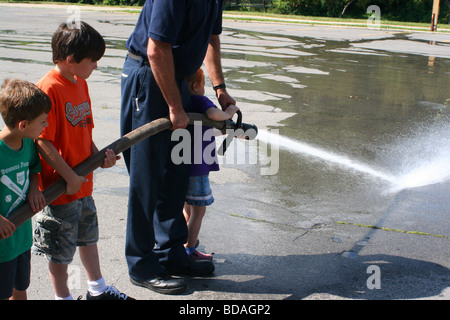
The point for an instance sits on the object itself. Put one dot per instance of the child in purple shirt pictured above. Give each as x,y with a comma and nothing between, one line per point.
199,193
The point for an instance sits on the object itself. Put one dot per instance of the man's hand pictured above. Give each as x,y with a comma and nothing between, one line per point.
224,99
179,119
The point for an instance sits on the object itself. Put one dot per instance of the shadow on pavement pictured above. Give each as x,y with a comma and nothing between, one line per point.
299,276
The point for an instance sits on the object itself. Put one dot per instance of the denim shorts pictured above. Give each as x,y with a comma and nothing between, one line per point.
199,192
60,229
15,274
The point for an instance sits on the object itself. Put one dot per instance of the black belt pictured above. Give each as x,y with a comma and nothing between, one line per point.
140,58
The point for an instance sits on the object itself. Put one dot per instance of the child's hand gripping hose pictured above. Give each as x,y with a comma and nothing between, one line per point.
240,130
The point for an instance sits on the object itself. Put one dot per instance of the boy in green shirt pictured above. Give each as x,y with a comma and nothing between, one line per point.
24,108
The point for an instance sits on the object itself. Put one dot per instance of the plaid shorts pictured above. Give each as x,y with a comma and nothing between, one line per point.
199,192
60,229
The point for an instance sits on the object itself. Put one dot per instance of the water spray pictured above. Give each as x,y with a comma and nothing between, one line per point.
420,172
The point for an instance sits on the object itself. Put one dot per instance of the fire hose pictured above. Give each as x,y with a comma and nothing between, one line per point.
22,214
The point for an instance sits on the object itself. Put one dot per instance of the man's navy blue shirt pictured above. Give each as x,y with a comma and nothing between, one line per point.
186,24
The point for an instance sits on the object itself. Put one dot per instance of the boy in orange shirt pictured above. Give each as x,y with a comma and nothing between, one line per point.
71,220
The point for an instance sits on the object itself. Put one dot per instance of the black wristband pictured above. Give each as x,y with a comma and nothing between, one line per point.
219,86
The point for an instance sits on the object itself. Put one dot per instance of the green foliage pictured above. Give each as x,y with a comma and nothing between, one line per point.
106,2
300,7
399,10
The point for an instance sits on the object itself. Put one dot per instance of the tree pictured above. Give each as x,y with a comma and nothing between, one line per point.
349,2
330,5
448,5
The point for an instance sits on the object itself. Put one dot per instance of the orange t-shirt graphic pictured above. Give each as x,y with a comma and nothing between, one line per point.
70,124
